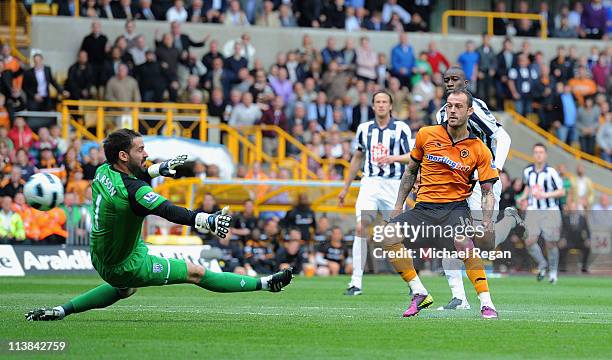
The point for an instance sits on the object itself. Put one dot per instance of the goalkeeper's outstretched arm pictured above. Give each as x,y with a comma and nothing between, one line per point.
217,223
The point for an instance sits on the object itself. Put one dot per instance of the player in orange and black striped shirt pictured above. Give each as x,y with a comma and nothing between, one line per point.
447,156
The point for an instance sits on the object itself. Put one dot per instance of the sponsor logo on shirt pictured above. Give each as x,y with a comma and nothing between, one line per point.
150,197
445,160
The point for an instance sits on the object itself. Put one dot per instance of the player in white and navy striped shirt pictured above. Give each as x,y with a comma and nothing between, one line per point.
543,188
484,125
375,139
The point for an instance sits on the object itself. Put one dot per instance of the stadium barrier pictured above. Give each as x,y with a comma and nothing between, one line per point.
490,15
15,15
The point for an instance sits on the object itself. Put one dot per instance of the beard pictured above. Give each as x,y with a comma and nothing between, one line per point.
136,168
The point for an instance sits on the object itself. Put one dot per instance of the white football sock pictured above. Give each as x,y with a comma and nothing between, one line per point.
61,310
452,270
485,300
264,282
360,253
417,286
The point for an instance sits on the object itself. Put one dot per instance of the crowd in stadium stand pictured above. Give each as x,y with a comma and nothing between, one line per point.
318,95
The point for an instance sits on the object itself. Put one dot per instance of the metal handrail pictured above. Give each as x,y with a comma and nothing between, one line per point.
490,15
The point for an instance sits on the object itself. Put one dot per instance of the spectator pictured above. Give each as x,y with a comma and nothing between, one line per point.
91,163
604,138
268,17
362,112
334,82
436,59
211,55
522,82
352,22
49,164
392,7
45,141
246,113
502,26
236,62
4,114
330,53
469,63
139,51
36,83
421,67
562,67
243,223
125,10
403,61
258,252
177,12
20,134
169,57
566,130
301,217
80,78
78,186
273,116
601,72
4,137
334,15
564,30
546,94
183,42
151,79
425,89
582,86
54,231
235,16
232,257
286,16
487,67
505,61
282,85
292,254
331,255
96,45
583,192
575,233
195,12
593,20
12,183
31,218
310,12
321,112
147,12
191,91
217,104
106,10
122,87
11,225
23,162
89,9
587,122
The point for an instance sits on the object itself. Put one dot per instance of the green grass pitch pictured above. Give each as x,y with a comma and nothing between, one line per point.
311,319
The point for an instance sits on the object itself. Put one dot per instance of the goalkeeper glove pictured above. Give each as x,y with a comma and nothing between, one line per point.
217,223
166,168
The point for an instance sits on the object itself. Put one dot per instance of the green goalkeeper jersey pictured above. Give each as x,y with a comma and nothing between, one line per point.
120,203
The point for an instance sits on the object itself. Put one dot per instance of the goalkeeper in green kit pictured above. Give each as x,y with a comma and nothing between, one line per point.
121,200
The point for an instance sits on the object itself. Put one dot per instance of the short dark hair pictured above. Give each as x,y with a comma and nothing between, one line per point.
120,140
539,144
470,98
382,92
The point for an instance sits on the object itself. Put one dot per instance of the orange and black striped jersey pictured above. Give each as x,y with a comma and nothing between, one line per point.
447,167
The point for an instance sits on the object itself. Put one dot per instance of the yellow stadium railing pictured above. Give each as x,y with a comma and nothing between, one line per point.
17,14
93,119
521,155
551,138
490,15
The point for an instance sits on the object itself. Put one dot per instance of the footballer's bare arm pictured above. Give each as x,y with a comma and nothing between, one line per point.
408,179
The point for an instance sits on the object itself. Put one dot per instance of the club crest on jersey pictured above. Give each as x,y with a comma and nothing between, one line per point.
150,197
378,152
464,153
445,160
157,268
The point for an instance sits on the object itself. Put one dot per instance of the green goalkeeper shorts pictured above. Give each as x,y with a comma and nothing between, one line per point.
142,269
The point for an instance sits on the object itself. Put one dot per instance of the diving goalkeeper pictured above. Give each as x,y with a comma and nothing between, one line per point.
121,200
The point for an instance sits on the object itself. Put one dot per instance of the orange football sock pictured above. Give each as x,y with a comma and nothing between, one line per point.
402,264
475,271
